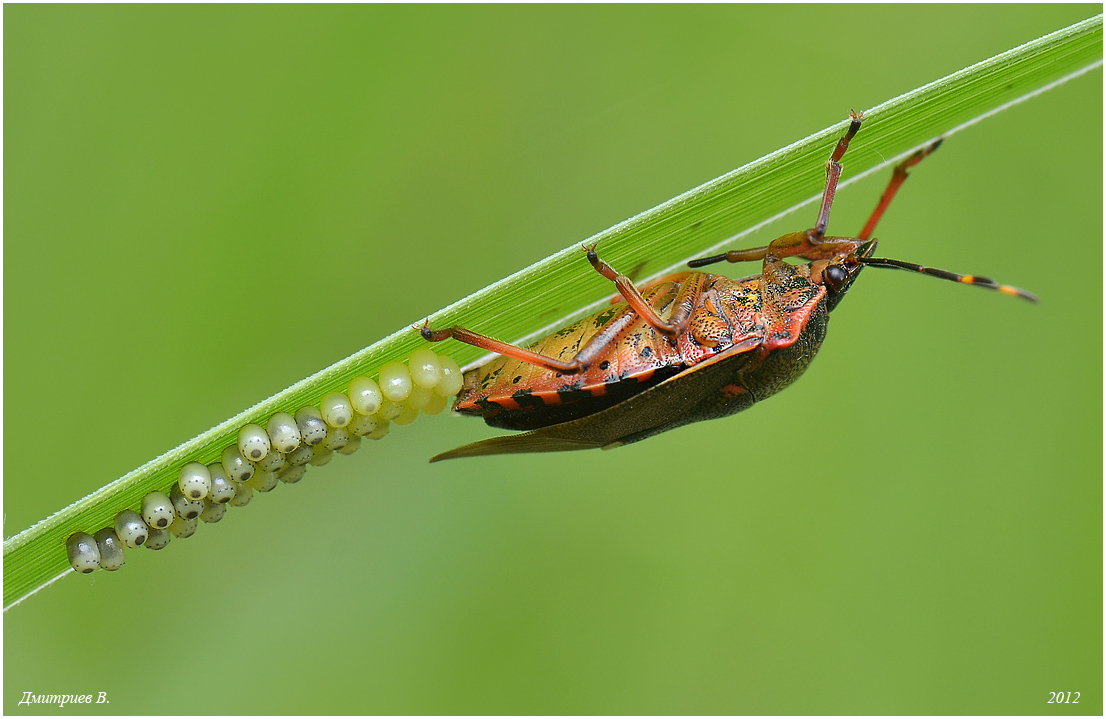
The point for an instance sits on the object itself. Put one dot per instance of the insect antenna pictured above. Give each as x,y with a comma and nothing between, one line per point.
946,275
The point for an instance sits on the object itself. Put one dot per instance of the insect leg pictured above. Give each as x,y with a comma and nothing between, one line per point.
640,305
580,363
833,174
897,178
814,236
687,298
754,254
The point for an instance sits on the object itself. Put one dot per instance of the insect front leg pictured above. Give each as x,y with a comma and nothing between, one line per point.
799,244
897,178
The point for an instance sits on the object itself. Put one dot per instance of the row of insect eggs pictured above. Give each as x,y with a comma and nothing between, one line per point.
279,452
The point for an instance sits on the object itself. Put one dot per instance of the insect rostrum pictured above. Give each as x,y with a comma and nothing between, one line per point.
684,348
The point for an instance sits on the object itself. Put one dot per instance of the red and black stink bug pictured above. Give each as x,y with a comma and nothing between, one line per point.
684,348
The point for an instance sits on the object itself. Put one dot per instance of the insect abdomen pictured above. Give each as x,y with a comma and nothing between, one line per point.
531,409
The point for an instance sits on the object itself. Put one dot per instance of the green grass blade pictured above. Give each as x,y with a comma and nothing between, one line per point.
564,286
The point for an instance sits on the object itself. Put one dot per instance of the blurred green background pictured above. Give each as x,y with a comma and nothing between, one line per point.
206,204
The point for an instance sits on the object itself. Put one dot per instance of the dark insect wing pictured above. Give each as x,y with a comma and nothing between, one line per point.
665,406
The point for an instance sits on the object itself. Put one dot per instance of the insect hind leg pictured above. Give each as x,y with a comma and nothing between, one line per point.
595,347
461,334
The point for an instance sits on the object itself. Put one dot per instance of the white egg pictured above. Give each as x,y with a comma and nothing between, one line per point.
111,549
264,481
213,511
273,462
311,424
300,457
284,433
361,425
194,481
436,404
159,539
157,510
395,381
383,427
336,409
130,528
222,487
84,555
351,446
364,395
336,438
292,473
408,415
183,528
243,493
425,368
390,410
419,397
183,506
237,467
253,442
321,456
452,378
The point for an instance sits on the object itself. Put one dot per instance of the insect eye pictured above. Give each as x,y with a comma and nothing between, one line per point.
834,277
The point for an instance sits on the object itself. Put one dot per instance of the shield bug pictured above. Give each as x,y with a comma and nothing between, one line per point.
684,348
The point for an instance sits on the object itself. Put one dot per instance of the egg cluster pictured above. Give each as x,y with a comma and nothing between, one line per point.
279,452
